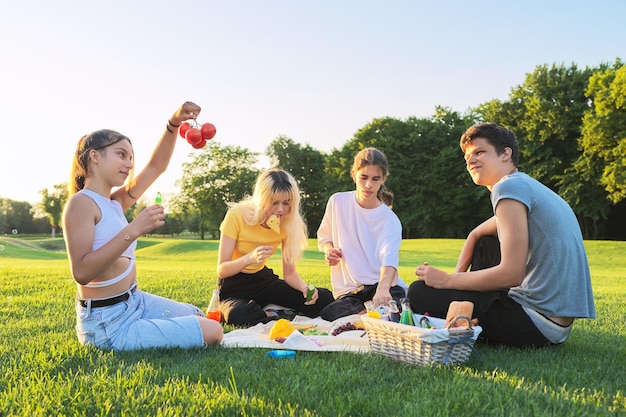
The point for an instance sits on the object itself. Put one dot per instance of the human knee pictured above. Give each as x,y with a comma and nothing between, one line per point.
212,331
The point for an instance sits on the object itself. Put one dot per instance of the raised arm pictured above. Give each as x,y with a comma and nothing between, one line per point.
160,158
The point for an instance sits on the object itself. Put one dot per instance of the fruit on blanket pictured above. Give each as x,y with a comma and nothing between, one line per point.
345,327
282,328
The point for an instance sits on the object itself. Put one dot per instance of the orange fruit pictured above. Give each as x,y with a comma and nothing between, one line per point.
282,328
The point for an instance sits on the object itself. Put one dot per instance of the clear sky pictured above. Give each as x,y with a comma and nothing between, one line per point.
315,71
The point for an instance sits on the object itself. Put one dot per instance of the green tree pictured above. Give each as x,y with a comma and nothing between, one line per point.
545,112
307,166
174,225
18,217
433,194
216,176
52,203
565,127
604,129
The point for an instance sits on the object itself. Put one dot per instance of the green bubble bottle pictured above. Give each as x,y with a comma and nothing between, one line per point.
407,314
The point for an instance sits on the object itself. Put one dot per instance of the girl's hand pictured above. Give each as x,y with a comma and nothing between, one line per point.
187,111
313,299
149,219
260,254
333,256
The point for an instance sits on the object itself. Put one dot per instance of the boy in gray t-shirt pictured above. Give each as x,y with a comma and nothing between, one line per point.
529,277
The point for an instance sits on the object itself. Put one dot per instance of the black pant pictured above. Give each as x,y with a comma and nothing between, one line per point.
353,303
243,296
503,320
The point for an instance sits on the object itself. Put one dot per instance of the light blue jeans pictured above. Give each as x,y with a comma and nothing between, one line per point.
143,321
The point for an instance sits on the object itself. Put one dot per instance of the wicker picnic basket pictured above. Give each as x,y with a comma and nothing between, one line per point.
419,346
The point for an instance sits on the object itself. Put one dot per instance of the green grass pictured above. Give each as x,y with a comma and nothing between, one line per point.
44,371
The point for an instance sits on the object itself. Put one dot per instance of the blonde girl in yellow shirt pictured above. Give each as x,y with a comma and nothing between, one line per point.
251,232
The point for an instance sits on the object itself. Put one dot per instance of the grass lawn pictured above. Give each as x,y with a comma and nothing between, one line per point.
44,371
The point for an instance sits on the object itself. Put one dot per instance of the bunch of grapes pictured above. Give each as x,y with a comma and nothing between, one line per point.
344,328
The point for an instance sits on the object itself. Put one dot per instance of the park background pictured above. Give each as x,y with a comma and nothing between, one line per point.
570,123
314,81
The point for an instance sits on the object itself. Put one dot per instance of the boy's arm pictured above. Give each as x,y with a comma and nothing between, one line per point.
512,224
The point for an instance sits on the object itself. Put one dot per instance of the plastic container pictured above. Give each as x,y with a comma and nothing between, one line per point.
281,353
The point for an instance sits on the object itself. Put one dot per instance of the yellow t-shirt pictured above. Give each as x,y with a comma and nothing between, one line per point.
248,237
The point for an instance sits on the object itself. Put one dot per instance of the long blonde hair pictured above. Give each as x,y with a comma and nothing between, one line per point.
269,186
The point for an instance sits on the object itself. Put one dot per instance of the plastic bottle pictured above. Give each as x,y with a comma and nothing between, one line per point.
394,313
213,312
407,314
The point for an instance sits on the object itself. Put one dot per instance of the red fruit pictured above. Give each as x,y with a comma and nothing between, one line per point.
200,144
208,131
184,127
193,136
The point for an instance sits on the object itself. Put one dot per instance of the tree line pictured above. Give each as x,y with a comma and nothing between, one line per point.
571,128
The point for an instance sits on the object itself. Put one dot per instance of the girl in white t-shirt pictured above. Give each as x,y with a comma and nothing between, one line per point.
360,236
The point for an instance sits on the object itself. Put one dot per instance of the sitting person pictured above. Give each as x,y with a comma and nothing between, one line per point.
360,236
112,313
250,233
529,277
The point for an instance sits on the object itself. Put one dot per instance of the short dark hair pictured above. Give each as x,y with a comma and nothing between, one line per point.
497,136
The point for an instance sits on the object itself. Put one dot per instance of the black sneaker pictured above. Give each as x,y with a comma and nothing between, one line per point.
282,314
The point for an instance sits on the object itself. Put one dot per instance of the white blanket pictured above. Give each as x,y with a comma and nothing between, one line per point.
258,336
351,341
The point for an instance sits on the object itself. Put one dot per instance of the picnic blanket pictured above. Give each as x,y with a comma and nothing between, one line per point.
258,336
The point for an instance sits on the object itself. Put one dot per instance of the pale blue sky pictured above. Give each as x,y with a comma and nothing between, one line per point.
316,71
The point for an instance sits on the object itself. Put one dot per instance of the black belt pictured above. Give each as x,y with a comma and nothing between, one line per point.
105,302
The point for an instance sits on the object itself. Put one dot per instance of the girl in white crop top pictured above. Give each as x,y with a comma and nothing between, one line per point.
101,245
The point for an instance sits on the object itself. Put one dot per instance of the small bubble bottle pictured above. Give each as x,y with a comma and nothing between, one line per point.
213,312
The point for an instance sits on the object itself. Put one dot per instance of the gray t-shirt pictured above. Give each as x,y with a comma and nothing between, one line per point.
557,280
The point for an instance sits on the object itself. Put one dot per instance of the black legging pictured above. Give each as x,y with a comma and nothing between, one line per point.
243,296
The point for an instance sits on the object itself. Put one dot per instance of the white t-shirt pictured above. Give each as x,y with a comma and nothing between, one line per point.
369,239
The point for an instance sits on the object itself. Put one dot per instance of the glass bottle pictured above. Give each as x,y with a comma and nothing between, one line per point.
394,313
213,312
407,314
371,311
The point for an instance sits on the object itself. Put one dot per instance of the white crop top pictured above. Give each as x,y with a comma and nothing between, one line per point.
112,220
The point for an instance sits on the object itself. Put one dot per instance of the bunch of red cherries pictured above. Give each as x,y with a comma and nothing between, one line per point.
197,135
